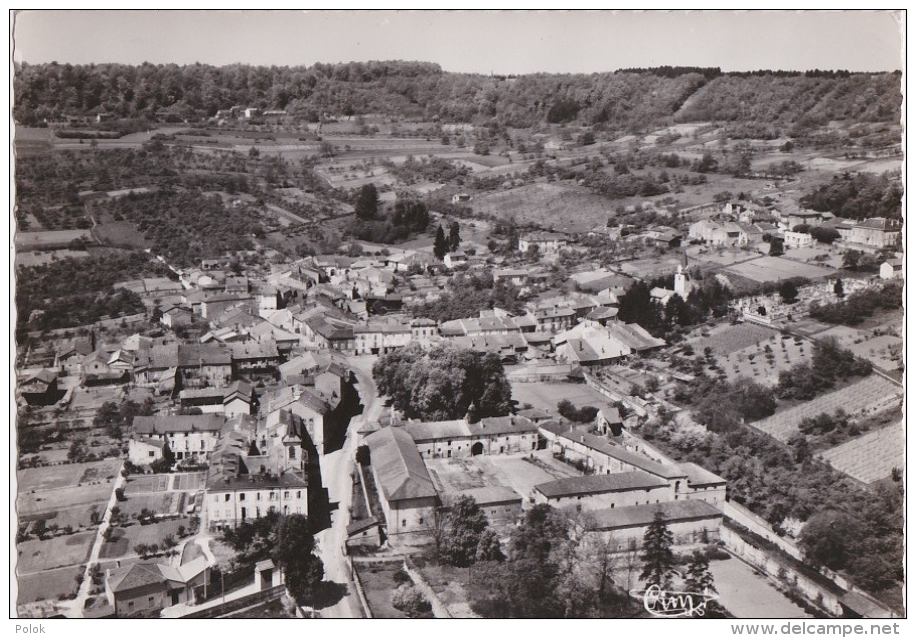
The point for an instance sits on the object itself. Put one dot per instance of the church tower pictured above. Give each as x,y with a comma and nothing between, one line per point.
682,283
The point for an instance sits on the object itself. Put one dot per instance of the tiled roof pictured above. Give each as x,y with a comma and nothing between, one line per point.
178,423
600,484
643,515
398,466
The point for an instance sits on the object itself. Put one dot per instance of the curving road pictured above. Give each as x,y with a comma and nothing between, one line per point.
335,474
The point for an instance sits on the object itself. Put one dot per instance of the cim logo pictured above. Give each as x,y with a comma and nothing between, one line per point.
673,604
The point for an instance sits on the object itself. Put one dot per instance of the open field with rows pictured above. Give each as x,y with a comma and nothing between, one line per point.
776,268
870,457
563,207
725,339
764,367
868,396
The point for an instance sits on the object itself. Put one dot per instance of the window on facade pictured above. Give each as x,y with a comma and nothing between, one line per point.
292,452
227,497
242,496
404,522
420,521
203,446
299,494
285,494
149,600
273,496
152,454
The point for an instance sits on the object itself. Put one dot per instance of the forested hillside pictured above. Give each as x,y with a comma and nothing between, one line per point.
626,100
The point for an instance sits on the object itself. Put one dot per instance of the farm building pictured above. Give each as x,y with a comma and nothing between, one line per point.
602,491
690,522
142,589
892,269
546,243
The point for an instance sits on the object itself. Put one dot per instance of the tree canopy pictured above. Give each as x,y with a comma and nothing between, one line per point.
443,383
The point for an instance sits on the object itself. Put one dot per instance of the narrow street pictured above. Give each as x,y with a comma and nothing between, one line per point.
335,473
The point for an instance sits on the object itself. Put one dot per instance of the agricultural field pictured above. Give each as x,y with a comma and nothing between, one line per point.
566,208
869,396
65,495
58,551
870,457
50,585
163,503
546,395
650,267
27,259
49,239
766,269
124,539
763,366
724,339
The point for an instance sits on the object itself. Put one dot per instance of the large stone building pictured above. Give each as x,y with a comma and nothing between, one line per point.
408,495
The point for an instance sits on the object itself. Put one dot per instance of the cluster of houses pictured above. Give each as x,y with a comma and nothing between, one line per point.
621,488
736,227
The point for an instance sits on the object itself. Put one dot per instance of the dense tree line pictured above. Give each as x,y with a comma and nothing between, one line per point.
630,99
803,100
829,365
467,295
551,570
773,481
708,298
859,196
859,305
187,226
74,292
445,382
390,224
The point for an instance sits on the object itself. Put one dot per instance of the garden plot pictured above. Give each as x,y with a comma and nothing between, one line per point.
870,457
871,395
163,503
59,551
763,362
140,484
725,339
50,585
66,494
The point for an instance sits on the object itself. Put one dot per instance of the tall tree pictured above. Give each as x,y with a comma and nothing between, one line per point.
658,559
454,237
294,554
466,524
699,580
367,202
440,244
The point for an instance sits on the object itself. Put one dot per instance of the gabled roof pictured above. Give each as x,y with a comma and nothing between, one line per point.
600,484
135,576
642,515
699,477
398,465
492,495
164,424
513,424
438,430
603,446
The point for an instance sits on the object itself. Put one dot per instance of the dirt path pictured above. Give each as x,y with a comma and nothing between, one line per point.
74,608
